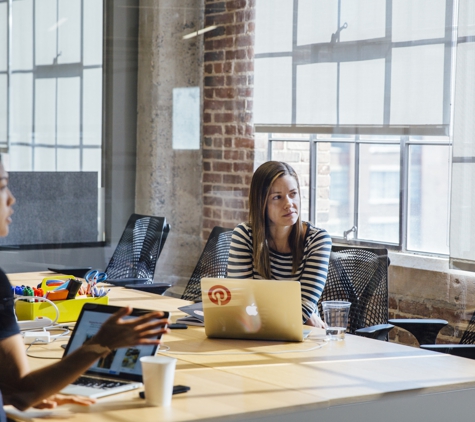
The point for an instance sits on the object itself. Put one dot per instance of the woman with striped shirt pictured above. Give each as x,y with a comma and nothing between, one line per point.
275,243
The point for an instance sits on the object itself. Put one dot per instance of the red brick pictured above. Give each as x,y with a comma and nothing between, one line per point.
417,309
223,117
244,67
206,166
218,68
229,130
208,68
239,28
212,200
219,19
213,177
243,167
207,142
235,80
228,142
244,40
214,56
245,92
212,130
213,105
207,212
236,54
235,105
219,44
218,7
218,142
208,93
232,179
217,214
222,166
206,118
228,67
236,5
214,81
225,92
244,143
234,203
212,154
233,155
207,188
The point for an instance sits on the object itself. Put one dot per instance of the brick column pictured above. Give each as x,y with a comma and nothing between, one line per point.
228,134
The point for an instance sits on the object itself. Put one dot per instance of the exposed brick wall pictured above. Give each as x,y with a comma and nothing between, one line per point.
228,134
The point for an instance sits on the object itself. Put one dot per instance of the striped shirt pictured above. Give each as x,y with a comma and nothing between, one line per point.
312,272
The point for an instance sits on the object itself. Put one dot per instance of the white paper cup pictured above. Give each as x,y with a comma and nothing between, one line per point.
158,374
335,314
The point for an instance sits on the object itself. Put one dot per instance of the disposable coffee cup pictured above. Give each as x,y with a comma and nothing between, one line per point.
335,315
158,374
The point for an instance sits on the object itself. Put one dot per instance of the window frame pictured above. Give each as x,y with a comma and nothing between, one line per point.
404,143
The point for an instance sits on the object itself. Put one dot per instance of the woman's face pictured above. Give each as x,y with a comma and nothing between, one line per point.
6,202
283,202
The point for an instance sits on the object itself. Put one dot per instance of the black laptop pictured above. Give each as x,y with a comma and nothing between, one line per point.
117,372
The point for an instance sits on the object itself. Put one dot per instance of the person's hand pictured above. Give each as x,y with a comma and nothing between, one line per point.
60,399
119,332
315,321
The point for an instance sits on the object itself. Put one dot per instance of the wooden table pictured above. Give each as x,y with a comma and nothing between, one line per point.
358,379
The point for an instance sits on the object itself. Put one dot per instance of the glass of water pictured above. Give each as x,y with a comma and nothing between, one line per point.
335,315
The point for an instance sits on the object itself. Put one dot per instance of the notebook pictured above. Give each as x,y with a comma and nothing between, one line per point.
117,372
252,309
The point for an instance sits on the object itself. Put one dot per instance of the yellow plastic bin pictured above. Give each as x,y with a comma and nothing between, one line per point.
69,310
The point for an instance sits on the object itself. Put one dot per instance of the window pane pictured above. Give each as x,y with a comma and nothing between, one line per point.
69,32
366,19
340,182
298,156
21,107
317,21
46,25
3,108
45,111
92,29
378,217
3,36
274,19
428,194
22,37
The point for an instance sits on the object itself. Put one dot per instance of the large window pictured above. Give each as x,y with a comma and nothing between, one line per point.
369,84
51,73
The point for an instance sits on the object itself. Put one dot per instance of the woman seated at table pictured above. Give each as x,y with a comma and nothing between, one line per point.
275,243
24,388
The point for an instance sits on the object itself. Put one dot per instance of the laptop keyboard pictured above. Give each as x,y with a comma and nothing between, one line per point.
95,383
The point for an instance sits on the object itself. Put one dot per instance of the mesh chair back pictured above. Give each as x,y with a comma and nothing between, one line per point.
359,276
139,247
469,334
213,262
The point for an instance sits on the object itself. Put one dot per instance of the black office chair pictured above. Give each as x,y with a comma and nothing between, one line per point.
213,262
465,348
360,276
133,262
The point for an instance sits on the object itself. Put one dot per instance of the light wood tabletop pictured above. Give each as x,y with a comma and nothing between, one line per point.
355,379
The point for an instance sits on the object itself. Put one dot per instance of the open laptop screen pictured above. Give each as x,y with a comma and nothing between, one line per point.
123,362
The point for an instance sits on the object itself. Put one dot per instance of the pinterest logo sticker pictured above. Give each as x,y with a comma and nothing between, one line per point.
219,295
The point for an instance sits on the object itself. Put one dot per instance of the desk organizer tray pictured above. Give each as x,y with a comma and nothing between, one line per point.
69,310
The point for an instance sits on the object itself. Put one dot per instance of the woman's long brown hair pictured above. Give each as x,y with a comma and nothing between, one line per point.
262,181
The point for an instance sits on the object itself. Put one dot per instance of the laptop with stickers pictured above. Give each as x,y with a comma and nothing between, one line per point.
115,373
252,309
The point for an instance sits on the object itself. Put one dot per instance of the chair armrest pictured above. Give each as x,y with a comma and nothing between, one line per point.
424,330
462,350
157,288
377,332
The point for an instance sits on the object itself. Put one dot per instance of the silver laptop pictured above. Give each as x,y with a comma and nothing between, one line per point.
252,309
115,373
